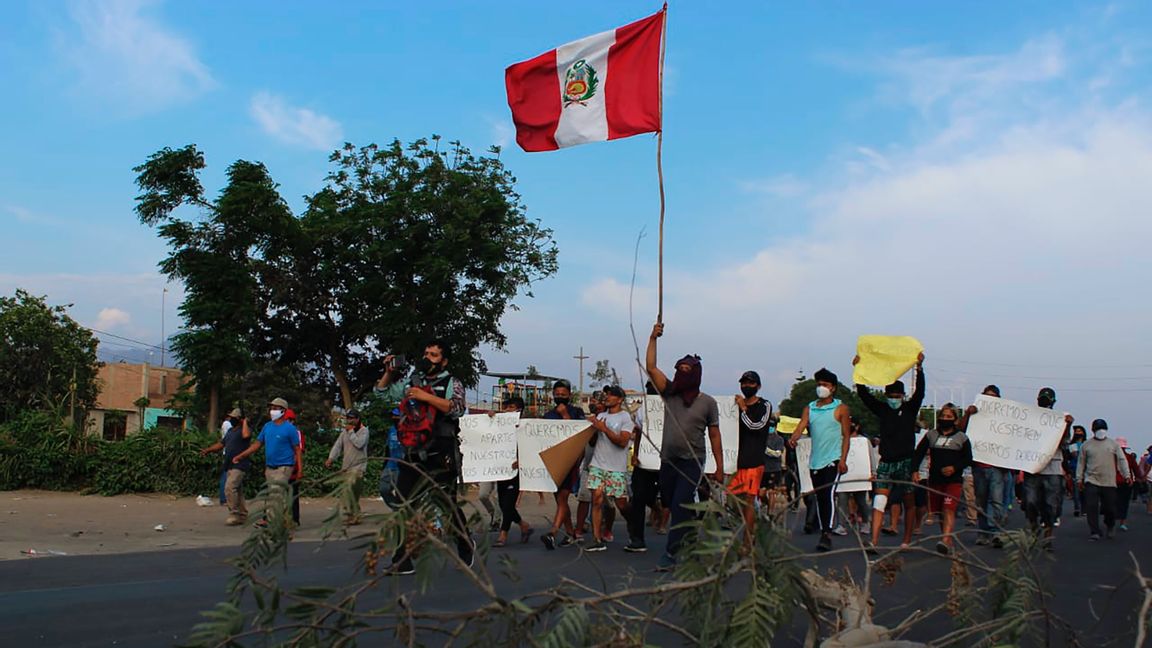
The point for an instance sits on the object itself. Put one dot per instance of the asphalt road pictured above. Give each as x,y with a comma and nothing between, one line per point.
154,599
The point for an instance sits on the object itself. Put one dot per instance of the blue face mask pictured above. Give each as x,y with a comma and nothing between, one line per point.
895,403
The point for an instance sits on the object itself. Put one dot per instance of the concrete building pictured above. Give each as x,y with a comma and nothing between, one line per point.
122,386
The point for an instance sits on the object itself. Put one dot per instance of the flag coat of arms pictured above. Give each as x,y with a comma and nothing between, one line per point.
602,87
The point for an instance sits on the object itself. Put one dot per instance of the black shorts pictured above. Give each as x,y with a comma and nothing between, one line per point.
772,479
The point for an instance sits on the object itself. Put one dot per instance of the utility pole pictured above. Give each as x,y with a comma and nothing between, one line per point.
163,339
581,358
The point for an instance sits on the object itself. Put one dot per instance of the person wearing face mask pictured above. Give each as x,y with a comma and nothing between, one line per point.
237,438
689,416
755,416
232,419
432,384
563,409
283,453
351,447
949,452
1101,459
829,426
897,431
1044,490
1125,487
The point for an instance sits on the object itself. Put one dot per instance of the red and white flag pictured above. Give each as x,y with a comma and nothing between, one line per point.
598,88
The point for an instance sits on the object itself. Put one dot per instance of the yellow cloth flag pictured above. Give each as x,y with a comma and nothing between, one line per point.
787,425
884,358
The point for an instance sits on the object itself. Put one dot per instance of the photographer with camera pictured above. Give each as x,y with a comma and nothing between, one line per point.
431,403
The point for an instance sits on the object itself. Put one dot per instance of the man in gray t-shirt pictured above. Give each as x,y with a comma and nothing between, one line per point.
688,416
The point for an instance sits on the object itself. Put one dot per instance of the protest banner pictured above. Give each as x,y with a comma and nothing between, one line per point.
654,434
884,358
858,477
488,447
1013,435
535,436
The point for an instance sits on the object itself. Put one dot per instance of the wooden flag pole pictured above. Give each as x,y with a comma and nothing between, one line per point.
660,171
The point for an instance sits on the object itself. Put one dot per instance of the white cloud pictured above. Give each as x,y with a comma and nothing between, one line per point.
501,131
111,318
129,59
295,126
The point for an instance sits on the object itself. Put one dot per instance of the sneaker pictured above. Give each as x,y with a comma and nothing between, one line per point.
568,541
1057,523
982,540
579,539
667,563
608,537
888,531
636,546
1094,537
402,568
942,548
997,543
1075,513
840,530
549,541
1123,527
233,521
825,543
871,549
596,546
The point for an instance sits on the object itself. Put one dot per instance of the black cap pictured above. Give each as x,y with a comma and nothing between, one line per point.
750,377
1099,424
614,390
1048,393
823,375
352,413
895,388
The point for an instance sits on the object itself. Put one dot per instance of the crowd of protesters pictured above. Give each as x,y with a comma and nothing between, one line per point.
921,474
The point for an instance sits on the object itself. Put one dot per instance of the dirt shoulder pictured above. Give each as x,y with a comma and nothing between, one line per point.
75,524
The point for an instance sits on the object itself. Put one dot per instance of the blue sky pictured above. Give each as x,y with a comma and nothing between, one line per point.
970,173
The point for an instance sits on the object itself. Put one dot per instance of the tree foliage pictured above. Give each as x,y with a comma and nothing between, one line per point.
41,350
402,244
215,254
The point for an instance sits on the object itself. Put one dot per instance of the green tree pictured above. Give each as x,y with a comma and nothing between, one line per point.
216,255
404,244
42,350
602,375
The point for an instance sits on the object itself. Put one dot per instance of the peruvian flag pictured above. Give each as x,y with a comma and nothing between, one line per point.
598,88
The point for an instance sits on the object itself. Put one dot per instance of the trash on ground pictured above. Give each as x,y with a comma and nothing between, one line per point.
42,552
159,527
204,501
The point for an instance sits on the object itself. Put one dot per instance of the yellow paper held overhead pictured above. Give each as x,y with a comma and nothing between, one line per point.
884,358
787,425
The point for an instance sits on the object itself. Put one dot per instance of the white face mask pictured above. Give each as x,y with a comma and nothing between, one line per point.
823,392
225,426
276,414
1100,434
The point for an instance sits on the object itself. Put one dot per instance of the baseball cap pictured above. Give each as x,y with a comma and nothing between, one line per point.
750,377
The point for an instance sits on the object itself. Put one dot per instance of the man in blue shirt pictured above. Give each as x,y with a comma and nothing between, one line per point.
282,453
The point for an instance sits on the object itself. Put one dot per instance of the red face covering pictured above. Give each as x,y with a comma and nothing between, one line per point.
686,384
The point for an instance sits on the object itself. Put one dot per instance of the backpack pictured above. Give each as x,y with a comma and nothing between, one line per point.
416,421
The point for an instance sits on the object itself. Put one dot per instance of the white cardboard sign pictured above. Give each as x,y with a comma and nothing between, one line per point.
649,454
535,436
1013,435
488,447
859,475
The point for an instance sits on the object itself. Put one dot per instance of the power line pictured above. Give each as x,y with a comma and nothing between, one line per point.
126,339
1045,365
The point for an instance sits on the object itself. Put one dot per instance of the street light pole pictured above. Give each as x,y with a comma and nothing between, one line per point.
163,306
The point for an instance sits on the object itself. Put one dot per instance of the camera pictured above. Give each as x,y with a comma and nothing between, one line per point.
399,363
